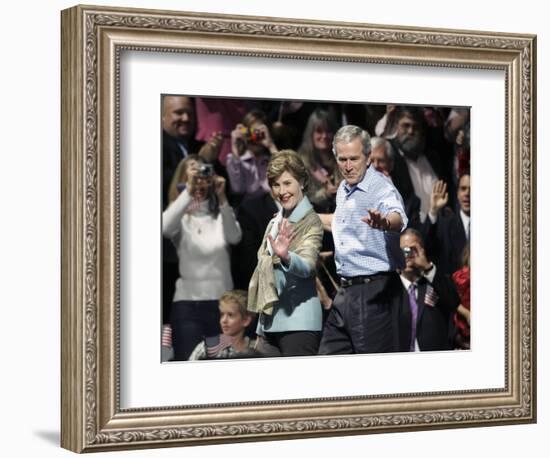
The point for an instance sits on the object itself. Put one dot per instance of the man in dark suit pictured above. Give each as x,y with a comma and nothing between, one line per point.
447,231
422,302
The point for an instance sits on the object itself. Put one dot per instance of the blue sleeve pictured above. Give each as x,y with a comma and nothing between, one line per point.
391,201
298,266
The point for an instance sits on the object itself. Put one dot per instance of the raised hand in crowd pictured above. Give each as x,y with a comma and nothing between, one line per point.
192,172
439,197
219,189
211,149
238,140
264,137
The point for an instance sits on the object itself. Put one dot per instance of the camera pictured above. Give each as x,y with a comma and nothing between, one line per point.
253,135
205,171
408,252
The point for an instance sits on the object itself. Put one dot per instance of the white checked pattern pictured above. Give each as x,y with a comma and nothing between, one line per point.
359,249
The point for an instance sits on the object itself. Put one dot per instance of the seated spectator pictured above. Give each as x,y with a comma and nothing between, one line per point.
232,342
251,148
461,319
202,226
316,152
422,306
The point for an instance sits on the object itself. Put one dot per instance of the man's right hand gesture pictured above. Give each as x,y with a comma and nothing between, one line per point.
439,197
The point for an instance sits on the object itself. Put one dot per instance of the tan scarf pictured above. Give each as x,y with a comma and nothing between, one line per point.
262,291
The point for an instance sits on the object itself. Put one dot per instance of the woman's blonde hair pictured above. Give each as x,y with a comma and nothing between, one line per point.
238,297
289,161
180,175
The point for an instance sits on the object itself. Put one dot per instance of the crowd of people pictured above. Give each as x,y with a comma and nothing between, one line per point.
290,230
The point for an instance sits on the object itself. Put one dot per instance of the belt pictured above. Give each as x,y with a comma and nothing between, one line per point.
362,279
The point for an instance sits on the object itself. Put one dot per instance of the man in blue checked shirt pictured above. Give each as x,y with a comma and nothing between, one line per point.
366,255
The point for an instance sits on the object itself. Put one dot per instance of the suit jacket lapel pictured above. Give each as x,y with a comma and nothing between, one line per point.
461,235
401,318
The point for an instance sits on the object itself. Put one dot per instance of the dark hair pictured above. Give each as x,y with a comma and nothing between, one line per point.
416,113
463,174
415,233
318,119
254,116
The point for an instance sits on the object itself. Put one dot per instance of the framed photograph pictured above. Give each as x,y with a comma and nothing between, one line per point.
118,65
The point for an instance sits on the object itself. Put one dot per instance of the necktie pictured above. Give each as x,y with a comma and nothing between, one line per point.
414,314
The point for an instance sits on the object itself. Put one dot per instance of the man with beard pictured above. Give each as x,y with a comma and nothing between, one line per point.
416,168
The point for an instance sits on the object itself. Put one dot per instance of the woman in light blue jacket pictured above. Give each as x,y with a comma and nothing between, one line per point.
282,289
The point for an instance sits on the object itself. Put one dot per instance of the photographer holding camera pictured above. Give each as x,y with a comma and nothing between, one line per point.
202,226
251,149
424,302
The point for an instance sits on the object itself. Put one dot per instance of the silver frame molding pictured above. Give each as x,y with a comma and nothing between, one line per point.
92,40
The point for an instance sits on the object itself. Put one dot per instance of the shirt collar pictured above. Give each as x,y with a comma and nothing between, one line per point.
301,209
406,282
247,156
465,219
363,185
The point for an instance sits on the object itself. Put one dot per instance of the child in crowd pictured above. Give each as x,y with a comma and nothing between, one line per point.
234,319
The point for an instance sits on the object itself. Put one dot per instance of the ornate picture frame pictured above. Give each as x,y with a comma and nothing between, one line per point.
93,39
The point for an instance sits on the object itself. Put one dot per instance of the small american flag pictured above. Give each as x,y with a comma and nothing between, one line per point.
215,345
166,339
431,297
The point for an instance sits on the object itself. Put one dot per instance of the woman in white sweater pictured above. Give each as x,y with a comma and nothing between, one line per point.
202,226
